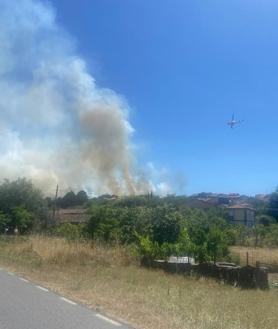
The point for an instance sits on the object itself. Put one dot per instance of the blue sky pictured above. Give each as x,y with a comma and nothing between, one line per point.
184,68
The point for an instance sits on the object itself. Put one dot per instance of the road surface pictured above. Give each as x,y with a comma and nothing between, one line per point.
25,305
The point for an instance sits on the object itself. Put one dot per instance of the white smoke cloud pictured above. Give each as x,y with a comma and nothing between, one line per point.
56,125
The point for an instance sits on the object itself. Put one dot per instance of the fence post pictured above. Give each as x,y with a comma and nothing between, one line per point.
247,258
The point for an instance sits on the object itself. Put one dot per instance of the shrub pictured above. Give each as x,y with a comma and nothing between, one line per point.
72,232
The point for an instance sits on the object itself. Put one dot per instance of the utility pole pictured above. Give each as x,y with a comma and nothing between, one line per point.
55,204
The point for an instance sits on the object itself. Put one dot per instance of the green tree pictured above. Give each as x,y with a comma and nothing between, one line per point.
271,236
21,202
4,222
134,219
208,234
165,224
147,249
183,246
68,200
259,232
216,243
21,219
103,223
273,205
81,198
21,193
265,220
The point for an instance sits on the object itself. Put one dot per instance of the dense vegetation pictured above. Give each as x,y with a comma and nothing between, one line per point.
154,227
70,199
22,207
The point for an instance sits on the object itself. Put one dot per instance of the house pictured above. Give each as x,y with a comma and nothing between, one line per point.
71,215
243,214
217,199
199,203
263,197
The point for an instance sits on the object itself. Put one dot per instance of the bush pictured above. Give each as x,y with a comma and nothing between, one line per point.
162,231
103,224
72,232
271,236
165,224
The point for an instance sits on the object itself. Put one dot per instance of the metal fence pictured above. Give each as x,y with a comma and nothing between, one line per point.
258,257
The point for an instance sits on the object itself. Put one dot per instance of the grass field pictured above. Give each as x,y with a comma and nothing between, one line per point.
107,279
262,255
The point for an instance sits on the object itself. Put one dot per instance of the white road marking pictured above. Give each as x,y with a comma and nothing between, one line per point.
115,323
68,301
24,280
108,320
42,288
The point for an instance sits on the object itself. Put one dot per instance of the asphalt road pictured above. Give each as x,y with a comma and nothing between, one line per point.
24,305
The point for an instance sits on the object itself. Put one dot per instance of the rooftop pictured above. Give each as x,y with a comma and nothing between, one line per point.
242,206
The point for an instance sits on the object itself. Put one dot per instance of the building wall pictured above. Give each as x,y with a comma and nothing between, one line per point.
73,216
243,216
250,217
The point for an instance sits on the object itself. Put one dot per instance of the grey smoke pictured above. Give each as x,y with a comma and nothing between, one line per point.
56,125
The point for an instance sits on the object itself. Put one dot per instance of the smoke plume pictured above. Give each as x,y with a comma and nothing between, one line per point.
56,125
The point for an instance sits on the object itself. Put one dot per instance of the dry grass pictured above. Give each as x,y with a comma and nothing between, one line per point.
106,278
61,252
266,256
262,255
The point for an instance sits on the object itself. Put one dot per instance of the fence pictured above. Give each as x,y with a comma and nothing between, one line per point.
246,277
258,257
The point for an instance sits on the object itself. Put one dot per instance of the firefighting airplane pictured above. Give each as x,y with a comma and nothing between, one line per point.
233,122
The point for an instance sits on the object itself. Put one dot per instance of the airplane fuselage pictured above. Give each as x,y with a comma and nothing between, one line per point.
232,123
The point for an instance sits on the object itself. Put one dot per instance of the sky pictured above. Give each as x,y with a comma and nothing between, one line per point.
183,68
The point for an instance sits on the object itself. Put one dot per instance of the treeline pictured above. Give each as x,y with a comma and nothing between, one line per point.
160,227
260,235
154,227
69,200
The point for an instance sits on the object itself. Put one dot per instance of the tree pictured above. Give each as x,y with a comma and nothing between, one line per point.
21,192
265,220
271,236
184,246
166,224
4,222
81,198
208,234
103,223
68,200
71,199
259,232
273,205
21,204
21,219
132,221
216,243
